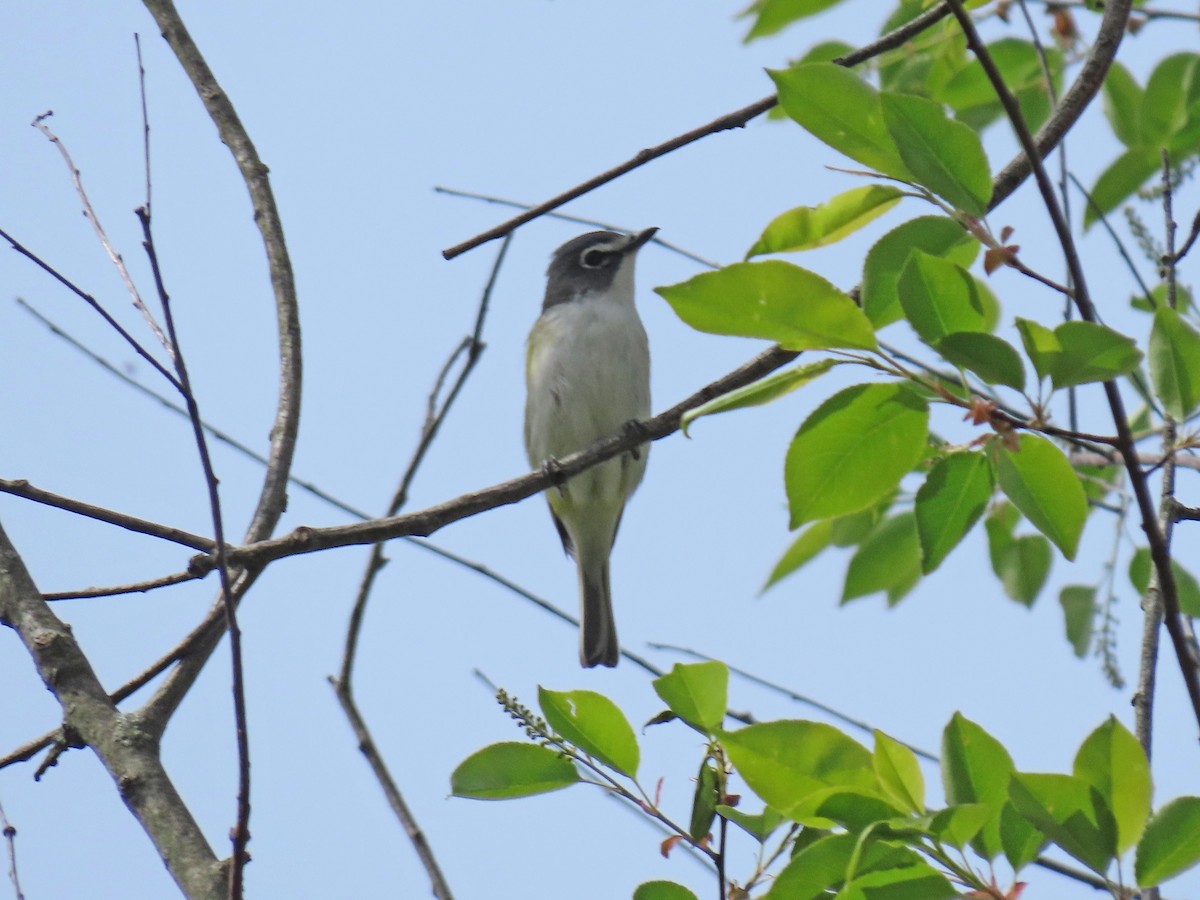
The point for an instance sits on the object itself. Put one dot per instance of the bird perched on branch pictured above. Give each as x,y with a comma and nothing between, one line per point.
588,374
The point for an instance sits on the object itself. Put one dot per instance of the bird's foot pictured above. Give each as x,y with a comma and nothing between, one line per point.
552,469
635,428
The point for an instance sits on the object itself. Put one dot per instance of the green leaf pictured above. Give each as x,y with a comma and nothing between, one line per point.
824,864
970,94
1123,102
838,107
1170,113
1112,761
889,559
958,825
849,530
508,770
1041,346
811,542
771,16
1186,586
1002,519
939,297
991,358
1040,482
1116,183
949,503
807,227
774,300
1022,842
815,869
1090,352
1175,363
853,450
1158,297
855,809
704,801
594,724
936,235
696,692
1024,565
766,389
976,769
899,773
759,826
1171,843
1071,813
1079,610
662,890
919,881
944,155
787,761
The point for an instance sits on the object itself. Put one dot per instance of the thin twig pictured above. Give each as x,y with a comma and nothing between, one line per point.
736,119
1159,551
366,744
579,220
137,42
10,838
222,436
241,833
136,587
90,214
22,488
1076,99
435,415
471,347
425,522
842,717
1150,14
284,431
94,304
1102,218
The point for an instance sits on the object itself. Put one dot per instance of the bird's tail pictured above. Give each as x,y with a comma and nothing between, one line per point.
598,629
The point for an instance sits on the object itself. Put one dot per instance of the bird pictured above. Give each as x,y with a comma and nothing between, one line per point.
587,374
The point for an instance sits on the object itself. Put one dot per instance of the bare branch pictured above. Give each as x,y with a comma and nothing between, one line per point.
94,304
90,214
136,587
10,838
1074,101
22,488
240,834
128,754
579,220
425,522
266,215
736,119
1159,550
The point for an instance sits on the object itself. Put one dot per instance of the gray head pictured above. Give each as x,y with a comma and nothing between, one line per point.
592,262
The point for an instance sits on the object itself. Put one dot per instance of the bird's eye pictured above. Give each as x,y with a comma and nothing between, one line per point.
594,259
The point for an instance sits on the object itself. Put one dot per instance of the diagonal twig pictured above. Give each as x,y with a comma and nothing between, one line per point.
1159,551
736,119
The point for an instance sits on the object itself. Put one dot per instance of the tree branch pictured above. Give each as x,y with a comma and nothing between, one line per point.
1159,551
127,752
736,119
425,522
22,488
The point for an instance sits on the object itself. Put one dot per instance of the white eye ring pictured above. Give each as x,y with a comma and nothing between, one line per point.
594,259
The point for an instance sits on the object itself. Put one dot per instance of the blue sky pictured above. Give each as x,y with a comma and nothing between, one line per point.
359,115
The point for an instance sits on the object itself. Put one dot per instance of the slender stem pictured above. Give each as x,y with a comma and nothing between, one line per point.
736,119
1159,551
241,831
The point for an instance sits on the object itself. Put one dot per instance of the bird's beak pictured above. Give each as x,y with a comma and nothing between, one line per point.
637,240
